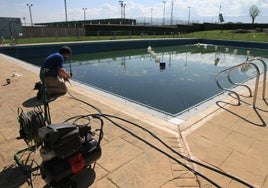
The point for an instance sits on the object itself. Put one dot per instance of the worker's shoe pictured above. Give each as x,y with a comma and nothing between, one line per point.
38,85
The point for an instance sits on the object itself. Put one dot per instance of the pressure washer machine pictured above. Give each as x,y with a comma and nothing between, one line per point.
66,149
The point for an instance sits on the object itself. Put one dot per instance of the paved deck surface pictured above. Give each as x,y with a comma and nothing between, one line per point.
230,138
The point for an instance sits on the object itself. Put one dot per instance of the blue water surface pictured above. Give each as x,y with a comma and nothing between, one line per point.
170,79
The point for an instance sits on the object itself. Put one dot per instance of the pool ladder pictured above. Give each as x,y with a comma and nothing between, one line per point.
247,63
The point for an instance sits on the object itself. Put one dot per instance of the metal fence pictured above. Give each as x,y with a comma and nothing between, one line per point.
162,21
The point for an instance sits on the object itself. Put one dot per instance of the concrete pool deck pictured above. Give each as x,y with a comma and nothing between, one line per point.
230,138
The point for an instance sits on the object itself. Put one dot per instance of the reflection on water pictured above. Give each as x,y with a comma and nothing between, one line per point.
170,79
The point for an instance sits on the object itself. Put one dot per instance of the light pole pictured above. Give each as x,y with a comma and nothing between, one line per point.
84,9
30,10
124,13
24,18
219,14
189,14
171,17
164,2
65,5
123,8
152,16
121,4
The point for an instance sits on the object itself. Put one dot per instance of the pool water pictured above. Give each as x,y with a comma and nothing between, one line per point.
167,79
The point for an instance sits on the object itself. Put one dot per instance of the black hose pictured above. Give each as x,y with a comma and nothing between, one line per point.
30,122
98,110
182,156
161,151
108,116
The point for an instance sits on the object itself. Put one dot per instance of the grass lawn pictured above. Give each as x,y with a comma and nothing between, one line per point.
229,35
215,34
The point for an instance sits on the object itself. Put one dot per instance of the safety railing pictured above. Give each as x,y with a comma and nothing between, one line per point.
247,63
264,74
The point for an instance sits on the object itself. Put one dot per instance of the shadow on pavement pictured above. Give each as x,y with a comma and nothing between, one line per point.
261,122
11,173
33,102
83,179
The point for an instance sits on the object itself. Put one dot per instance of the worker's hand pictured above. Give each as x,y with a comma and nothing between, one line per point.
63,73
67,80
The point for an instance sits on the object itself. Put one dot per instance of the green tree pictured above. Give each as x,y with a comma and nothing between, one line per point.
254,12
221,18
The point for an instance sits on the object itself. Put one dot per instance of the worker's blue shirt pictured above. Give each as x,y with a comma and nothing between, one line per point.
52,62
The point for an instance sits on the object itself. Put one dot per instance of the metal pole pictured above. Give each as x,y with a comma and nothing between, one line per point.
121,4
171,17
152,16
219,15
24,18
65,5
164,12
84,9
30,5
189,15
124,12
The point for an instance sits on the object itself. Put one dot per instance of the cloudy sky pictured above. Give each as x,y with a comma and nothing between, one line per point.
200,10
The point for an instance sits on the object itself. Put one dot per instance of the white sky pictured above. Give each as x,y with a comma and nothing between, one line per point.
201,10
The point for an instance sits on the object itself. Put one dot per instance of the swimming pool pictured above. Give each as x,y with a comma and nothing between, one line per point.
168,79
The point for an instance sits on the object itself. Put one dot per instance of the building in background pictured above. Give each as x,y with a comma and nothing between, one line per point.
10,27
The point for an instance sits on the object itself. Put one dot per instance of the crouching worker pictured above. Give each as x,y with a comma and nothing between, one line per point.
54,74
